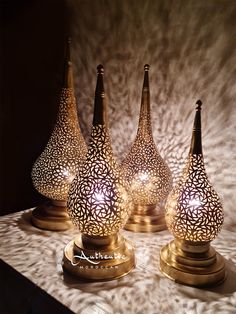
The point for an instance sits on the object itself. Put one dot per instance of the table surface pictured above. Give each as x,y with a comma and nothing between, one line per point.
37,254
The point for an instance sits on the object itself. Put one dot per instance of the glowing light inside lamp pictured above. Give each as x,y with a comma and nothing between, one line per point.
99,205
65,151
147,174
193,209
56,167
143,177
195,202
98,202
194,215
99,197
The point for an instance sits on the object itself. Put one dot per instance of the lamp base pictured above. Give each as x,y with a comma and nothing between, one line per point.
51,216
98,258
147,218
193,264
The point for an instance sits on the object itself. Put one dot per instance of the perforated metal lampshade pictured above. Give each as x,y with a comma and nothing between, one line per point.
98,202
193,209
148,175
194,215
99,205
56,167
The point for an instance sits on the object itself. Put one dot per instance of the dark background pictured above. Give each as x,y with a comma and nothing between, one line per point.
190,46
32,44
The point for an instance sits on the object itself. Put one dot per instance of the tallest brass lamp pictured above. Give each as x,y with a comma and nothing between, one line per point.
194,215
56,167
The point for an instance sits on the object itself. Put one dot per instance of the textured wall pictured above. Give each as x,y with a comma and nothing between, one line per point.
190,45
191,48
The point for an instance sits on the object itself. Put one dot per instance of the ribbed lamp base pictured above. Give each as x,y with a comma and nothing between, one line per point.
51,216
146,219
193,264
98,258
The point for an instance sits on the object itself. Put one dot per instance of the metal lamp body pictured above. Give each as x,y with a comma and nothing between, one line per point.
99,205
194,215
56,167
148,176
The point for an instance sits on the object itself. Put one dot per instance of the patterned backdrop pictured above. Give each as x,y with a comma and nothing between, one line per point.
191,48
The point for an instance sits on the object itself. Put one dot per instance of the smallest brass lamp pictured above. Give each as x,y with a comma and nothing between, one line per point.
194,215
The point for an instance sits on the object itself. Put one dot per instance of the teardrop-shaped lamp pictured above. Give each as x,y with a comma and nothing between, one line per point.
99,205
56,167
146,173
194,215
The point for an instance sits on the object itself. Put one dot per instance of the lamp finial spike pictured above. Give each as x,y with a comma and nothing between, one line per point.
199,104
100,101
68,75
100,69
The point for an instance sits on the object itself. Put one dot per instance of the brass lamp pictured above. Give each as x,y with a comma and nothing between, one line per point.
99,205
147,174
194,215
58,164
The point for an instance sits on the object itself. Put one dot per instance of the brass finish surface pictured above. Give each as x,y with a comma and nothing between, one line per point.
194,264
193,209
145,171
94,260
51,216
99,205
148,218
64,154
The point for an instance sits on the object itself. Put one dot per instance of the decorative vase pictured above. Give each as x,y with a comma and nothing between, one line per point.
146,173
99,206
56,167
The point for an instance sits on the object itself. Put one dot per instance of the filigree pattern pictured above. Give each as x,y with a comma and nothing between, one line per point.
187,64
146,172
98,202
58,164
193,209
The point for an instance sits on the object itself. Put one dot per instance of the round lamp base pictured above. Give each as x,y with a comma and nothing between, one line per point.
146,219
197,265
98,258
51,216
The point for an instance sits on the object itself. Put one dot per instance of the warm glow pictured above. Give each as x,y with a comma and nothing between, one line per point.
56,167
98,201
143,177
193,209
99,197
195,202
68,175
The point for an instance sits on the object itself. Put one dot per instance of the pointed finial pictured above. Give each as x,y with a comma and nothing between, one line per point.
146,79
68,75
100,69
199,105
99,116
68,47
196,142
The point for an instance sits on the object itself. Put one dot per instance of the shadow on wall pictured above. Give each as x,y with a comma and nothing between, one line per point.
190,47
